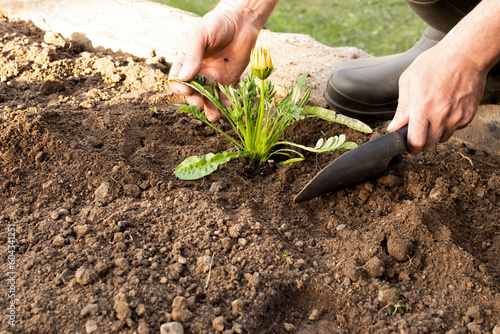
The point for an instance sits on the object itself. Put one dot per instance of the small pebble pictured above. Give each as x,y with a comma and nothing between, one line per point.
172,328
81,230
58,241
315,315
91,309
101,268
121,307
141,310
218,324
90,326
237,307
63,213
85,275
180,311
341,227
289,327
143,328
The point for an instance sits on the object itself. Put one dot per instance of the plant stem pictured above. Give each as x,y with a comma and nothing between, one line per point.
260,119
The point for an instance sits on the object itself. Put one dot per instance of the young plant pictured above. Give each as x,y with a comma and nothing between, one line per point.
400,305
258,120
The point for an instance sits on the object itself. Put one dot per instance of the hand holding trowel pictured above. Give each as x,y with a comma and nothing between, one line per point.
366,161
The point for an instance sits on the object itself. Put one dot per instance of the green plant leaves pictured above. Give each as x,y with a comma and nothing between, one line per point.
322,146
196,167
332,116
259,122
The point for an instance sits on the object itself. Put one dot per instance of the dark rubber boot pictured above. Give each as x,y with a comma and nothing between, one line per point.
368,88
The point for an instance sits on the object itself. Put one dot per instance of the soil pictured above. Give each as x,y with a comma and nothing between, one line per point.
108,240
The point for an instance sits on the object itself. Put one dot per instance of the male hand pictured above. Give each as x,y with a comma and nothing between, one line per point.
438,94
218,46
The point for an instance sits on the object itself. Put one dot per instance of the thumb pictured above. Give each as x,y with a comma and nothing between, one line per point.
402,115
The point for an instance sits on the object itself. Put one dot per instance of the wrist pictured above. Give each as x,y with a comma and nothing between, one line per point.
256,12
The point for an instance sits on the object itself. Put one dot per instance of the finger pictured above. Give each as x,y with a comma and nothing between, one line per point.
178,87
196,100
194,51
418,127
212,112
434,136
402,112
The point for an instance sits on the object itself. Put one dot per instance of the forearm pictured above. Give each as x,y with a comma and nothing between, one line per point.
255,11
476,38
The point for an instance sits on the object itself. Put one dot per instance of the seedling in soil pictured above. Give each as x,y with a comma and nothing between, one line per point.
400,305
259,121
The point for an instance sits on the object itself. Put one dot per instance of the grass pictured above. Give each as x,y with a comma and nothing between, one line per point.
380,27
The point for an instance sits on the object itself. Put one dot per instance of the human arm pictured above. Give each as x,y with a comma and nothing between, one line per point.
441,90
219,46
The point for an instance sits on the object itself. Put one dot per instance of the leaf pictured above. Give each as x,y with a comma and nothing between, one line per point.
196,167
348,145
332,116
322,146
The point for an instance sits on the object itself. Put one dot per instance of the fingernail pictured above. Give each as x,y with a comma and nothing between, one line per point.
184,73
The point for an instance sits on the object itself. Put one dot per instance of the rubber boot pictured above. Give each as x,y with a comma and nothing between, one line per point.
368,88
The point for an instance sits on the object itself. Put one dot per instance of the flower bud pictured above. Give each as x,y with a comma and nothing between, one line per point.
261,63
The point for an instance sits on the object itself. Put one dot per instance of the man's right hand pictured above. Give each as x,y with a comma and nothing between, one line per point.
218,46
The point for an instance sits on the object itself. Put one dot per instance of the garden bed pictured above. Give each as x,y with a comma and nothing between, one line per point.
108,240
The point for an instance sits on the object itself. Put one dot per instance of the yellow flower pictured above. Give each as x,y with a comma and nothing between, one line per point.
261,63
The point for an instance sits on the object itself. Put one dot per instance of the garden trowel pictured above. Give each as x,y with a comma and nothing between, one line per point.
364,162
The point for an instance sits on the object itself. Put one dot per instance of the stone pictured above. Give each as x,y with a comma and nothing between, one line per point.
237,307
101,268
143,328
315,315
341,227
122,263
218,324
102,193
91,326
89,309
289,327
141,310
121,307
54,38
85,275
253,280
180,311
474,328
58,241
474,313
496,330
375,267
172,328
81,230
234,231
63,212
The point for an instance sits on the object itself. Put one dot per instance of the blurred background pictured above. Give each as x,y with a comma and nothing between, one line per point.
379,27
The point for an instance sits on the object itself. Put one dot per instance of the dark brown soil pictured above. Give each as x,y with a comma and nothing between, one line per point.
108,240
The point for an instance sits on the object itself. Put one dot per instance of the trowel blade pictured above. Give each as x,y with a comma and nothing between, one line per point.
364,162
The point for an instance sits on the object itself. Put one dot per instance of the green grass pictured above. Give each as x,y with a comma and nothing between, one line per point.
380,27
